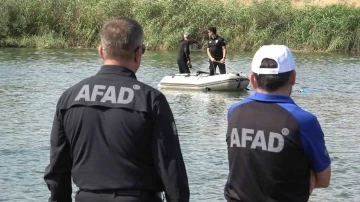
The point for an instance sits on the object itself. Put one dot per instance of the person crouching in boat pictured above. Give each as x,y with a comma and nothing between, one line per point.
183,59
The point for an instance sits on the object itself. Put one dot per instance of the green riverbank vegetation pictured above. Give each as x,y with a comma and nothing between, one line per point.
76,23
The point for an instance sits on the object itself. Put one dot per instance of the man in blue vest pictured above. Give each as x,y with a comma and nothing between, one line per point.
276,150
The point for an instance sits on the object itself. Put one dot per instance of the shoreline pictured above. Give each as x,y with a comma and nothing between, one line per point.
310,28
192,50
304,3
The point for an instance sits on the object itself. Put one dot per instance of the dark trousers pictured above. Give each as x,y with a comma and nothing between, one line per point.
183,67
84,196
213,66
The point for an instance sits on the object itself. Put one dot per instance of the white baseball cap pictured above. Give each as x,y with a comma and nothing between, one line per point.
280,53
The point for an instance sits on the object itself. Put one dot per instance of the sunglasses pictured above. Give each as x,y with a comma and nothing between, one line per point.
143,48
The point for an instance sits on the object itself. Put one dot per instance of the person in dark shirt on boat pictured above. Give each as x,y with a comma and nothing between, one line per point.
216,51
113,135
276,150
183,59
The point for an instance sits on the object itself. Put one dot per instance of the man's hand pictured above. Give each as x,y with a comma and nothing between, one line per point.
189,64
212,59
222,60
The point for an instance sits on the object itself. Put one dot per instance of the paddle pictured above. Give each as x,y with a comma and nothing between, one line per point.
202,72
225,66
232,68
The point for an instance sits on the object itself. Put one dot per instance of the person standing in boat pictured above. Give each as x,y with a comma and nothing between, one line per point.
276,150
183,59
113,135
216,51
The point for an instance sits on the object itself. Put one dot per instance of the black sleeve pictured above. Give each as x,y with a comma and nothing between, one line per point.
187,51
167,153
58,172
224,42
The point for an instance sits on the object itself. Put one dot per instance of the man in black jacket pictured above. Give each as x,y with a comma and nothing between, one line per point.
183,59
115,136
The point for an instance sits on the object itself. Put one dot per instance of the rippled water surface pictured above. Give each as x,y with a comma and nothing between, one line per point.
32,80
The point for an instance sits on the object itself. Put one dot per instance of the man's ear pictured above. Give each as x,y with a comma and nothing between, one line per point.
138,55
292,78
253,80
100,52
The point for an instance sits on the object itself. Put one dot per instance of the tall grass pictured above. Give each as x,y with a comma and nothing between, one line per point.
76,23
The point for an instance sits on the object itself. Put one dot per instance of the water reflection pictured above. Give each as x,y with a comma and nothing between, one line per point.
32,80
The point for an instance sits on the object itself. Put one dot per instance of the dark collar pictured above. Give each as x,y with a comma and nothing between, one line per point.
114,69
263,97
217,36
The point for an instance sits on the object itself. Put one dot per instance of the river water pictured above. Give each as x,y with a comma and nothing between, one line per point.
32,80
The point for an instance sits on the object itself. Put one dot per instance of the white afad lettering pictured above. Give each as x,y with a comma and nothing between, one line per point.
275,142
244,136
259,141
234,139
271,145
84,93
130,97
107,94
110,95
96,92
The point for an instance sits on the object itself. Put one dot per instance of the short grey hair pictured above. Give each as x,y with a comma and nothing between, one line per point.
120,37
